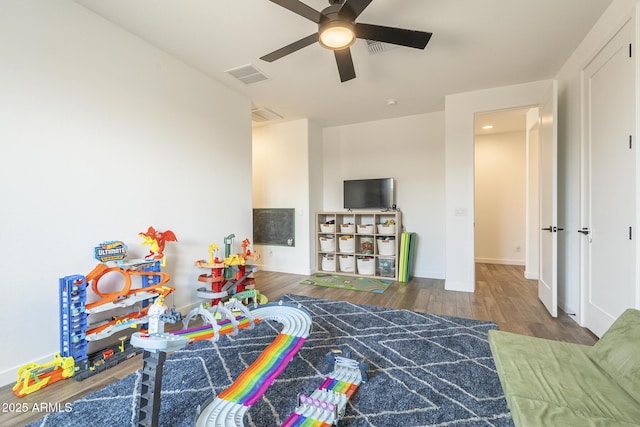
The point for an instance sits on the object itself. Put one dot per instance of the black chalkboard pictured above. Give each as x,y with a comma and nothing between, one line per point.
274,227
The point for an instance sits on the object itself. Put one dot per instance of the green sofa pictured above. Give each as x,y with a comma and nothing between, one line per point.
552,383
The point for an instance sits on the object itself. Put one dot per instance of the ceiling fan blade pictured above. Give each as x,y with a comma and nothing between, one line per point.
353,8
301,9
345,64
297,45
399,36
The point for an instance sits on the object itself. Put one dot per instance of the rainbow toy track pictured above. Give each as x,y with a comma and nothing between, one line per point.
229,407
327,404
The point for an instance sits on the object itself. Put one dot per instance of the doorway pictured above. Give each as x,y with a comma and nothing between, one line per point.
506,188
460,112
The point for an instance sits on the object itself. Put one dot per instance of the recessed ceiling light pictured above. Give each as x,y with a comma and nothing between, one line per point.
487,127
392,102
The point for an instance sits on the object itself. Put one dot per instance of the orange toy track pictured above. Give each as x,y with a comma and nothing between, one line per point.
160,290
100,270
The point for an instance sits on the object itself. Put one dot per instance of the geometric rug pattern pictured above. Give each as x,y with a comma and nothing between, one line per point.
348,282
424,370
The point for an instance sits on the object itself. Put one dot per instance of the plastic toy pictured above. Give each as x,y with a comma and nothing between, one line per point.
156,310
80,322
245,251
114,250
76,332
213,328
248,388
156,241
231,276
228,241
232,403
33,377
213,253
326,405
172,315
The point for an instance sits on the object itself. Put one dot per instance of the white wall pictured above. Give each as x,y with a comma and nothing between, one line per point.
316,186
410,149
103,135
281,169
500,198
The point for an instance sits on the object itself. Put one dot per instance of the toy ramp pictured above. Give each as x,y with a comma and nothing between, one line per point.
229,407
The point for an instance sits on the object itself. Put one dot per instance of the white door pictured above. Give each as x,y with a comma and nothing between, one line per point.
548,142
609,164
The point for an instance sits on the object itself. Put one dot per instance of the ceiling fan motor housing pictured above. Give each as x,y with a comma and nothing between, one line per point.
332,18
331,13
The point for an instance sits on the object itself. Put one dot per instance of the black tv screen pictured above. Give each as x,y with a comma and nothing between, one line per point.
369,193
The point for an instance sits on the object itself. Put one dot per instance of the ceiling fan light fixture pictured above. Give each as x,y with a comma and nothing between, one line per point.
336,35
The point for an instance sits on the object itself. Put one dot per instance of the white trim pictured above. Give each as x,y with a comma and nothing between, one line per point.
500,261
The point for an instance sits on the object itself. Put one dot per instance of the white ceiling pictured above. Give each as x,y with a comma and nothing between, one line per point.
504,121
475,45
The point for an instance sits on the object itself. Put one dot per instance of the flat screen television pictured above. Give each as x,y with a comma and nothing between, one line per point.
369,193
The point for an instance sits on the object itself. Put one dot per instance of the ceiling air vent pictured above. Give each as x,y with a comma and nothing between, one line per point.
262,114
247,74
378,47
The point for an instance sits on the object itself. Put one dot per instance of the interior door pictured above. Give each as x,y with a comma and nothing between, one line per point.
548,241
609,234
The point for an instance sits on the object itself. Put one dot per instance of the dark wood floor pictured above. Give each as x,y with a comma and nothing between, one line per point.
502,295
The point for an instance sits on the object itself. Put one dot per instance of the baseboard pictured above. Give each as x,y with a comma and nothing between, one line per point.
423,274
530,275
282,269
458,286
500,261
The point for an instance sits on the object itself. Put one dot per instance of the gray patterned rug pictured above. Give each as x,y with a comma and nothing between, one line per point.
424,370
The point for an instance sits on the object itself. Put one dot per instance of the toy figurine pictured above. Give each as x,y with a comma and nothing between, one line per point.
156,241
213,253
245,252
157,309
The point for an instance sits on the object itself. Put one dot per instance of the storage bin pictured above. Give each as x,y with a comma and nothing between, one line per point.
366,245
347,244
386,229
327,228
347,228
366,265
347,263
328,263
386,267
365,229
327,243
386,246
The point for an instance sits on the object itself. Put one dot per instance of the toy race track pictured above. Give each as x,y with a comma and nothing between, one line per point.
76,333
327,404
229,407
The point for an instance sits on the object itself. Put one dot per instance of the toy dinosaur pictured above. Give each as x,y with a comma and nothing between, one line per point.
245,252
156,241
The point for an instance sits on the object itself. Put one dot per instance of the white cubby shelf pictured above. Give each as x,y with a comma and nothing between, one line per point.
370,237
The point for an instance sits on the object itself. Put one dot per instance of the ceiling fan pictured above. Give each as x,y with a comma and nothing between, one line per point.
337,31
